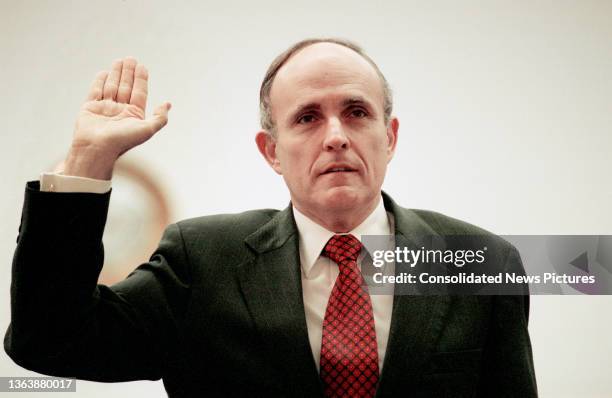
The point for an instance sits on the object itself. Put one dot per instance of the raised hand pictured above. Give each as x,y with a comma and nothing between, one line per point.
112,120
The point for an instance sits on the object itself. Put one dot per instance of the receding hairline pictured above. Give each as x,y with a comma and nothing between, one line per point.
281,60
350,99
288,61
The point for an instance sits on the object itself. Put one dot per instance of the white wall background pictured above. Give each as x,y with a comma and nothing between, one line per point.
505,111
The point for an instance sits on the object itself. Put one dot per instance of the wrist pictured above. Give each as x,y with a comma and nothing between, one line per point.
89,162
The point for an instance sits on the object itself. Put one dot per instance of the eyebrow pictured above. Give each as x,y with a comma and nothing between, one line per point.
355,101
315,106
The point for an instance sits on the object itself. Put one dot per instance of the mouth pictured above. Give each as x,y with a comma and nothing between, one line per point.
339,169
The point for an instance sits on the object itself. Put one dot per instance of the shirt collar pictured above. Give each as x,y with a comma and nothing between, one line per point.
313,236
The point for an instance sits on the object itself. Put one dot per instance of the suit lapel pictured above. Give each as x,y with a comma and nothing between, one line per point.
271,285
416,320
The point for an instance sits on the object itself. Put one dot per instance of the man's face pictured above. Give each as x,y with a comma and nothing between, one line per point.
332,145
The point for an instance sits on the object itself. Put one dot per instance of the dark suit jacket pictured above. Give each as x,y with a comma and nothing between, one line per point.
218,310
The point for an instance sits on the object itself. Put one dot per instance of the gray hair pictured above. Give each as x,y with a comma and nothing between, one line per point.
265,109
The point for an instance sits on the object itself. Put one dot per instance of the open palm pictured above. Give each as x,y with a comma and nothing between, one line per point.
112,119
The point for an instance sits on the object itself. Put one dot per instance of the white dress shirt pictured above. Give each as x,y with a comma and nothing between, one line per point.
318,274
53,182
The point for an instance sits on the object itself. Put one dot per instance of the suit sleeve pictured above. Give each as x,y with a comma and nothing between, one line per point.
65,324
508,369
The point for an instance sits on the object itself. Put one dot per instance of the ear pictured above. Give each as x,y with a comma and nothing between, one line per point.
392,130
266,144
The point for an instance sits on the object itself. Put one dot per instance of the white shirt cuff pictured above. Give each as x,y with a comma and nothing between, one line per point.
54,182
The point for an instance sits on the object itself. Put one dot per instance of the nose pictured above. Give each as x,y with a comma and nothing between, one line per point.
335,137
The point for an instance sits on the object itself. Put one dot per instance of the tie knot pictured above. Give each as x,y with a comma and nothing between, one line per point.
341,248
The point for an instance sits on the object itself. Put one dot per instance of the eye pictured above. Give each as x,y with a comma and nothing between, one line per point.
305,119
358,113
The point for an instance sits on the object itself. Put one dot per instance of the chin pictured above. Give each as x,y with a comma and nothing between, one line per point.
343,197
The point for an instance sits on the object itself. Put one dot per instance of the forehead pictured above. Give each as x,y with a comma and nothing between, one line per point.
324,72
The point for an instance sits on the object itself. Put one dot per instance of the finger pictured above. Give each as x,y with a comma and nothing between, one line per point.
127,80
112,81
140,89
95,91
160,117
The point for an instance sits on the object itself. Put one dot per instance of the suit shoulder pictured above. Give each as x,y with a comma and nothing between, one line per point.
236,225
446,225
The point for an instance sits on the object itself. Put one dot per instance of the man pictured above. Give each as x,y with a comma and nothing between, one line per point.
263,303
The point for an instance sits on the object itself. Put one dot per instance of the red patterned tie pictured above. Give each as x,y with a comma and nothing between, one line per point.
349,353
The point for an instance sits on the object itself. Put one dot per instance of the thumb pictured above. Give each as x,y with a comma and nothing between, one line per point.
160,117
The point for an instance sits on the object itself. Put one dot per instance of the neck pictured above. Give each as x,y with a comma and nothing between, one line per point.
340,220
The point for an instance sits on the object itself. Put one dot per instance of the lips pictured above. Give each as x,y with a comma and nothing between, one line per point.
338,168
